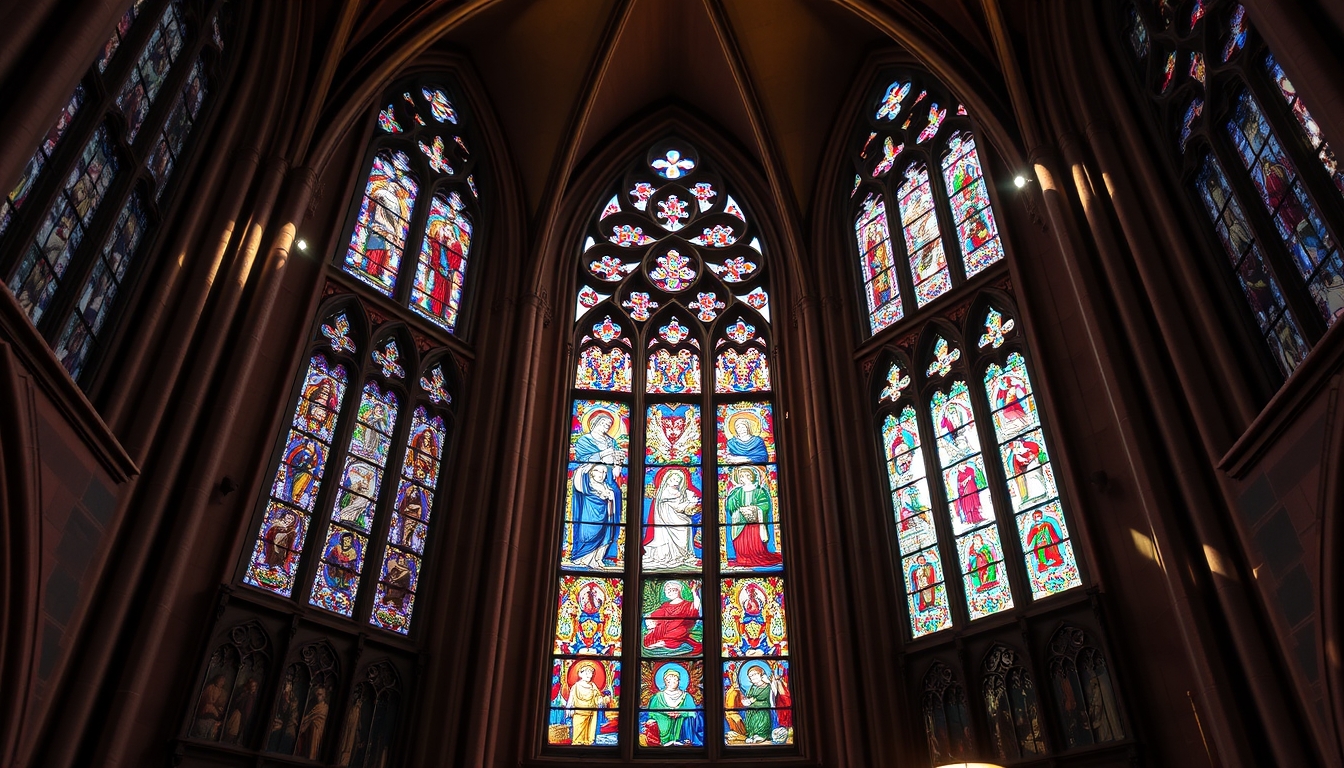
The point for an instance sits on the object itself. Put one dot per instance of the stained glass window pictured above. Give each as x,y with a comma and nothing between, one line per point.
419,146
1010,706
895,173
95,301
1257,280
1295,216
173,137
878,264
373,500
1287,260
701,498
346,542
976,229
298,478
151,69
62,230
376,246
410,523
68,276
1310,129
1051,567
917,536
38,161
442,268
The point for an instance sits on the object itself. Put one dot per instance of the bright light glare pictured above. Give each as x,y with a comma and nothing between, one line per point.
303,244
1020,181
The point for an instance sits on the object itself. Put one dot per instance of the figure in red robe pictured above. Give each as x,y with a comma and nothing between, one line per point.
968,487
1044,539
669,625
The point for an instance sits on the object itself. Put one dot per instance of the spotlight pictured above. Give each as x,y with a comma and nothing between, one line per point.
303,244
1020,181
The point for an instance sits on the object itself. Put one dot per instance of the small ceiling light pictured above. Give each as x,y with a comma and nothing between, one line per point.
303,244
1020,181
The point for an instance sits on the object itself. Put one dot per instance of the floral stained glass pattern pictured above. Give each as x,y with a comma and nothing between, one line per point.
379,238
151,69
1310,129
1034,496
673,373
420,473
16,197
970,502
977,232
441,271
345,546
61,231
303,459
878,264
1257,279
95,301
923,241
1284,196
917,537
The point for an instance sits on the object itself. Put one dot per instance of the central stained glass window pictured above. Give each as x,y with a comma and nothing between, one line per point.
670,627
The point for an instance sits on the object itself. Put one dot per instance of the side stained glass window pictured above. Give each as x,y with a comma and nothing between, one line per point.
992,497
60,233
709,667
420,201
907,137
1283,250
365,472
71,260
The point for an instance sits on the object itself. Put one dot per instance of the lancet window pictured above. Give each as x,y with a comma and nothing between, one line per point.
350,505
981,527
87,204
411,232
918,169
670,632
1256,162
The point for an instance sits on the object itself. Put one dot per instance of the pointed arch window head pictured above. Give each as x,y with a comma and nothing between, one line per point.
895,167
420,198
687,530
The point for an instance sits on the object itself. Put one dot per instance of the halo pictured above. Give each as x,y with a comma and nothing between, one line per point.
684,677
731,422
755,473
742,679
599,673
685,472
593,414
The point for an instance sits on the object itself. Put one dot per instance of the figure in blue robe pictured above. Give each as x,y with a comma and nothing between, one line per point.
745,446
596,506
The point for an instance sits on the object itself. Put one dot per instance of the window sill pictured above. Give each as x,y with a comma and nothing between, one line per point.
1296,394
38,359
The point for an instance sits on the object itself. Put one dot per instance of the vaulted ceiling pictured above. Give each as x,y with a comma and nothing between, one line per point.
564,74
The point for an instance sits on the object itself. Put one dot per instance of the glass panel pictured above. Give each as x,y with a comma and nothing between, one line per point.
878,264
585,696
918,539
166,153
336,583
1257,280
280,542
379,237
1051,567
151,69
757,703
60,233
38,161
976,229
1310,129
442,268
420,470
970,502
923,241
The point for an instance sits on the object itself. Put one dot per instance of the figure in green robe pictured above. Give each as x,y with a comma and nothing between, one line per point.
757,701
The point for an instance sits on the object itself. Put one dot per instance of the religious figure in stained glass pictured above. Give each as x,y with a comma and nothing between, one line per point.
749,510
